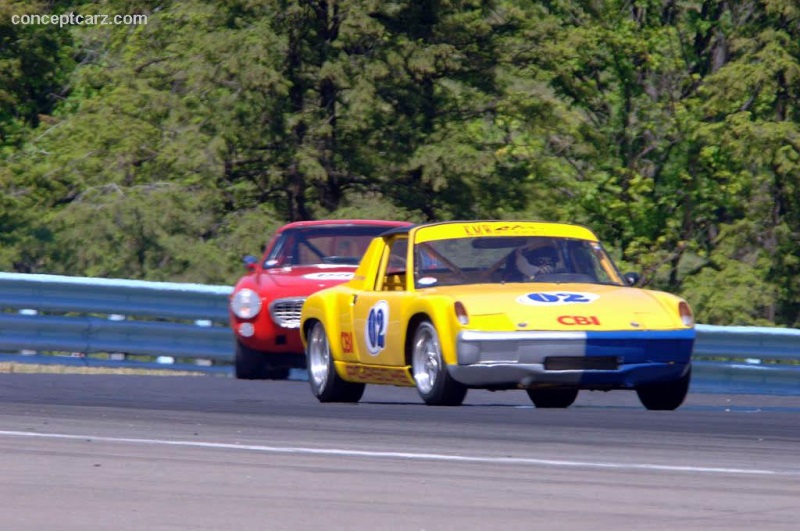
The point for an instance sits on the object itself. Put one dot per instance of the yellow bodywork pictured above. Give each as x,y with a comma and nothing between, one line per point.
471,229
377,303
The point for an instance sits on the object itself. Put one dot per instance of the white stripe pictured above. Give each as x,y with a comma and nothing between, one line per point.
522,335
405,455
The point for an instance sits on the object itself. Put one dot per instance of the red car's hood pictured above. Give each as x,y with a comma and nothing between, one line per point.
304,280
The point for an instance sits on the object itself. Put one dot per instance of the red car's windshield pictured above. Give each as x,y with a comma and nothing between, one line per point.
340,244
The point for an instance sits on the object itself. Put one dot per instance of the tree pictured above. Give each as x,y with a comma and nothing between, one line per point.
169,149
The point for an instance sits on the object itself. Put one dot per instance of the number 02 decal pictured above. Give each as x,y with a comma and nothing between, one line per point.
375,327
556,298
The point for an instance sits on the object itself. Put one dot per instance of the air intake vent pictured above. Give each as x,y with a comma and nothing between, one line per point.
286,312
597,363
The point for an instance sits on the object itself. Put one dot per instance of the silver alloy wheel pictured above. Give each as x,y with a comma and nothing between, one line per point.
319,354
426,358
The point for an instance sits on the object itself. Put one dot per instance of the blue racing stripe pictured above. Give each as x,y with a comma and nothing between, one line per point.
647,346
645,356
642,335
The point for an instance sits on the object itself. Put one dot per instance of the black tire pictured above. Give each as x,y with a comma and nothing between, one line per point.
434,384
666,396
552,398
325,382
251,364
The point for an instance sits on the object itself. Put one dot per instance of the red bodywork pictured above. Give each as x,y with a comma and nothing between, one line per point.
287,270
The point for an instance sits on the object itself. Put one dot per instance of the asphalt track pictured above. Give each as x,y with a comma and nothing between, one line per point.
211,453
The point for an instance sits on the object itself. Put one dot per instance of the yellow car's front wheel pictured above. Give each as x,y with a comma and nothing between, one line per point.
665,396
433,382
326,384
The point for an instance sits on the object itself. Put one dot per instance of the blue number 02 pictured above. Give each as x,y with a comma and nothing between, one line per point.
573,297
376,326
558,297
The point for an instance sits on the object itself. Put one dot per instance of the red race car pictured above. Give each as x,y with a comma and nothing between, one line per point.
300,259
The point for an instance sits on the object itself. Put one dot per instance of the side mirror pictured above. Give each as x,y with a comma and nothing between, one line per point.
250,262
632,278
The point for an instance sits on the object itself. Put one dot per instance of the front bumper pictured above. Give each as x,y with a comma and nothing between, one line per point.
586,360
275,330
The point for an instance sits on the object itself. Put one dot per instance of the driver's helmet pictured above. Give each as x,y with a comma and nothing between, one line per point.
541,256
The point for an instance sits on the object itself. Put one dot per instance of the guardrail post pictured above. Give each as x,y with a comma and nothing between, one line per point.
28,311
117,356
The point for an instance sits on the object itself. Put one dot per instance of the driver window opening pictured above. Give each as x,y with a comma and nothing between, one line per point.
394,278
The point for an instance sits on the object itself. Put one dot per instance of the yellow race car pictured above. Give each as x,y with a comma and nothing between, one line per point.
496,305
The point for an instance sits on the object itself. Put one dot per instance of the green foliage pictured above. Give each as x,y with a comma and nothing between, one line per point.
34,63
734,287
154,231
168,150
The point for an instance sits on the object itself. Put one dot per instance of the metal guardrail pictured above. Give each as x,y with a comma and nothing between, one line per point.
94,321
114,322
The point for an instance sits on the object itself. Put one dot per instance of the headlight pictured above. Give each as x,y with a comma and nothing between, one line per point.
245,304
687,317
461,313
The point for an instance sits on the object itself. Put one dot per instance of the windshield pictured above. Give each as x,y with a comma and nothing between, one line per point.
497,259
332,244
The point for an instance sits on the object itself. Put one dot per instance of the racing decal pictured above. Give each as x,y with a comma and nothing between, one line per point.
484,229
379,375
347,342
333,275
375,328
511,228
478,229
427,281
571,320
556,298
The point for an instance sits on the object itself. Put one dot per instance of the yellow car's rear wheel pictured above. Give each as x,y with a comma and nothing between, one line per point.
325,382
433,382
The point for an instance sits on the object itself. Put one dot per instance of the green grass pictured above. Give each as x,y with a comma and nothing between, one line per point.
30,368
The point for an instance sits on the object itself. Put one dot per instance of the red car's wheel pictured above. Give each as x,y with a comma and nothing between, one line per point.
434,383
251,364
326,384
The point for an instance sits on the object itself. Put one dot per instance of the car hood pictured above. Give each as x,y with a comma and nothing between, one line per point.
304,280
566,307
